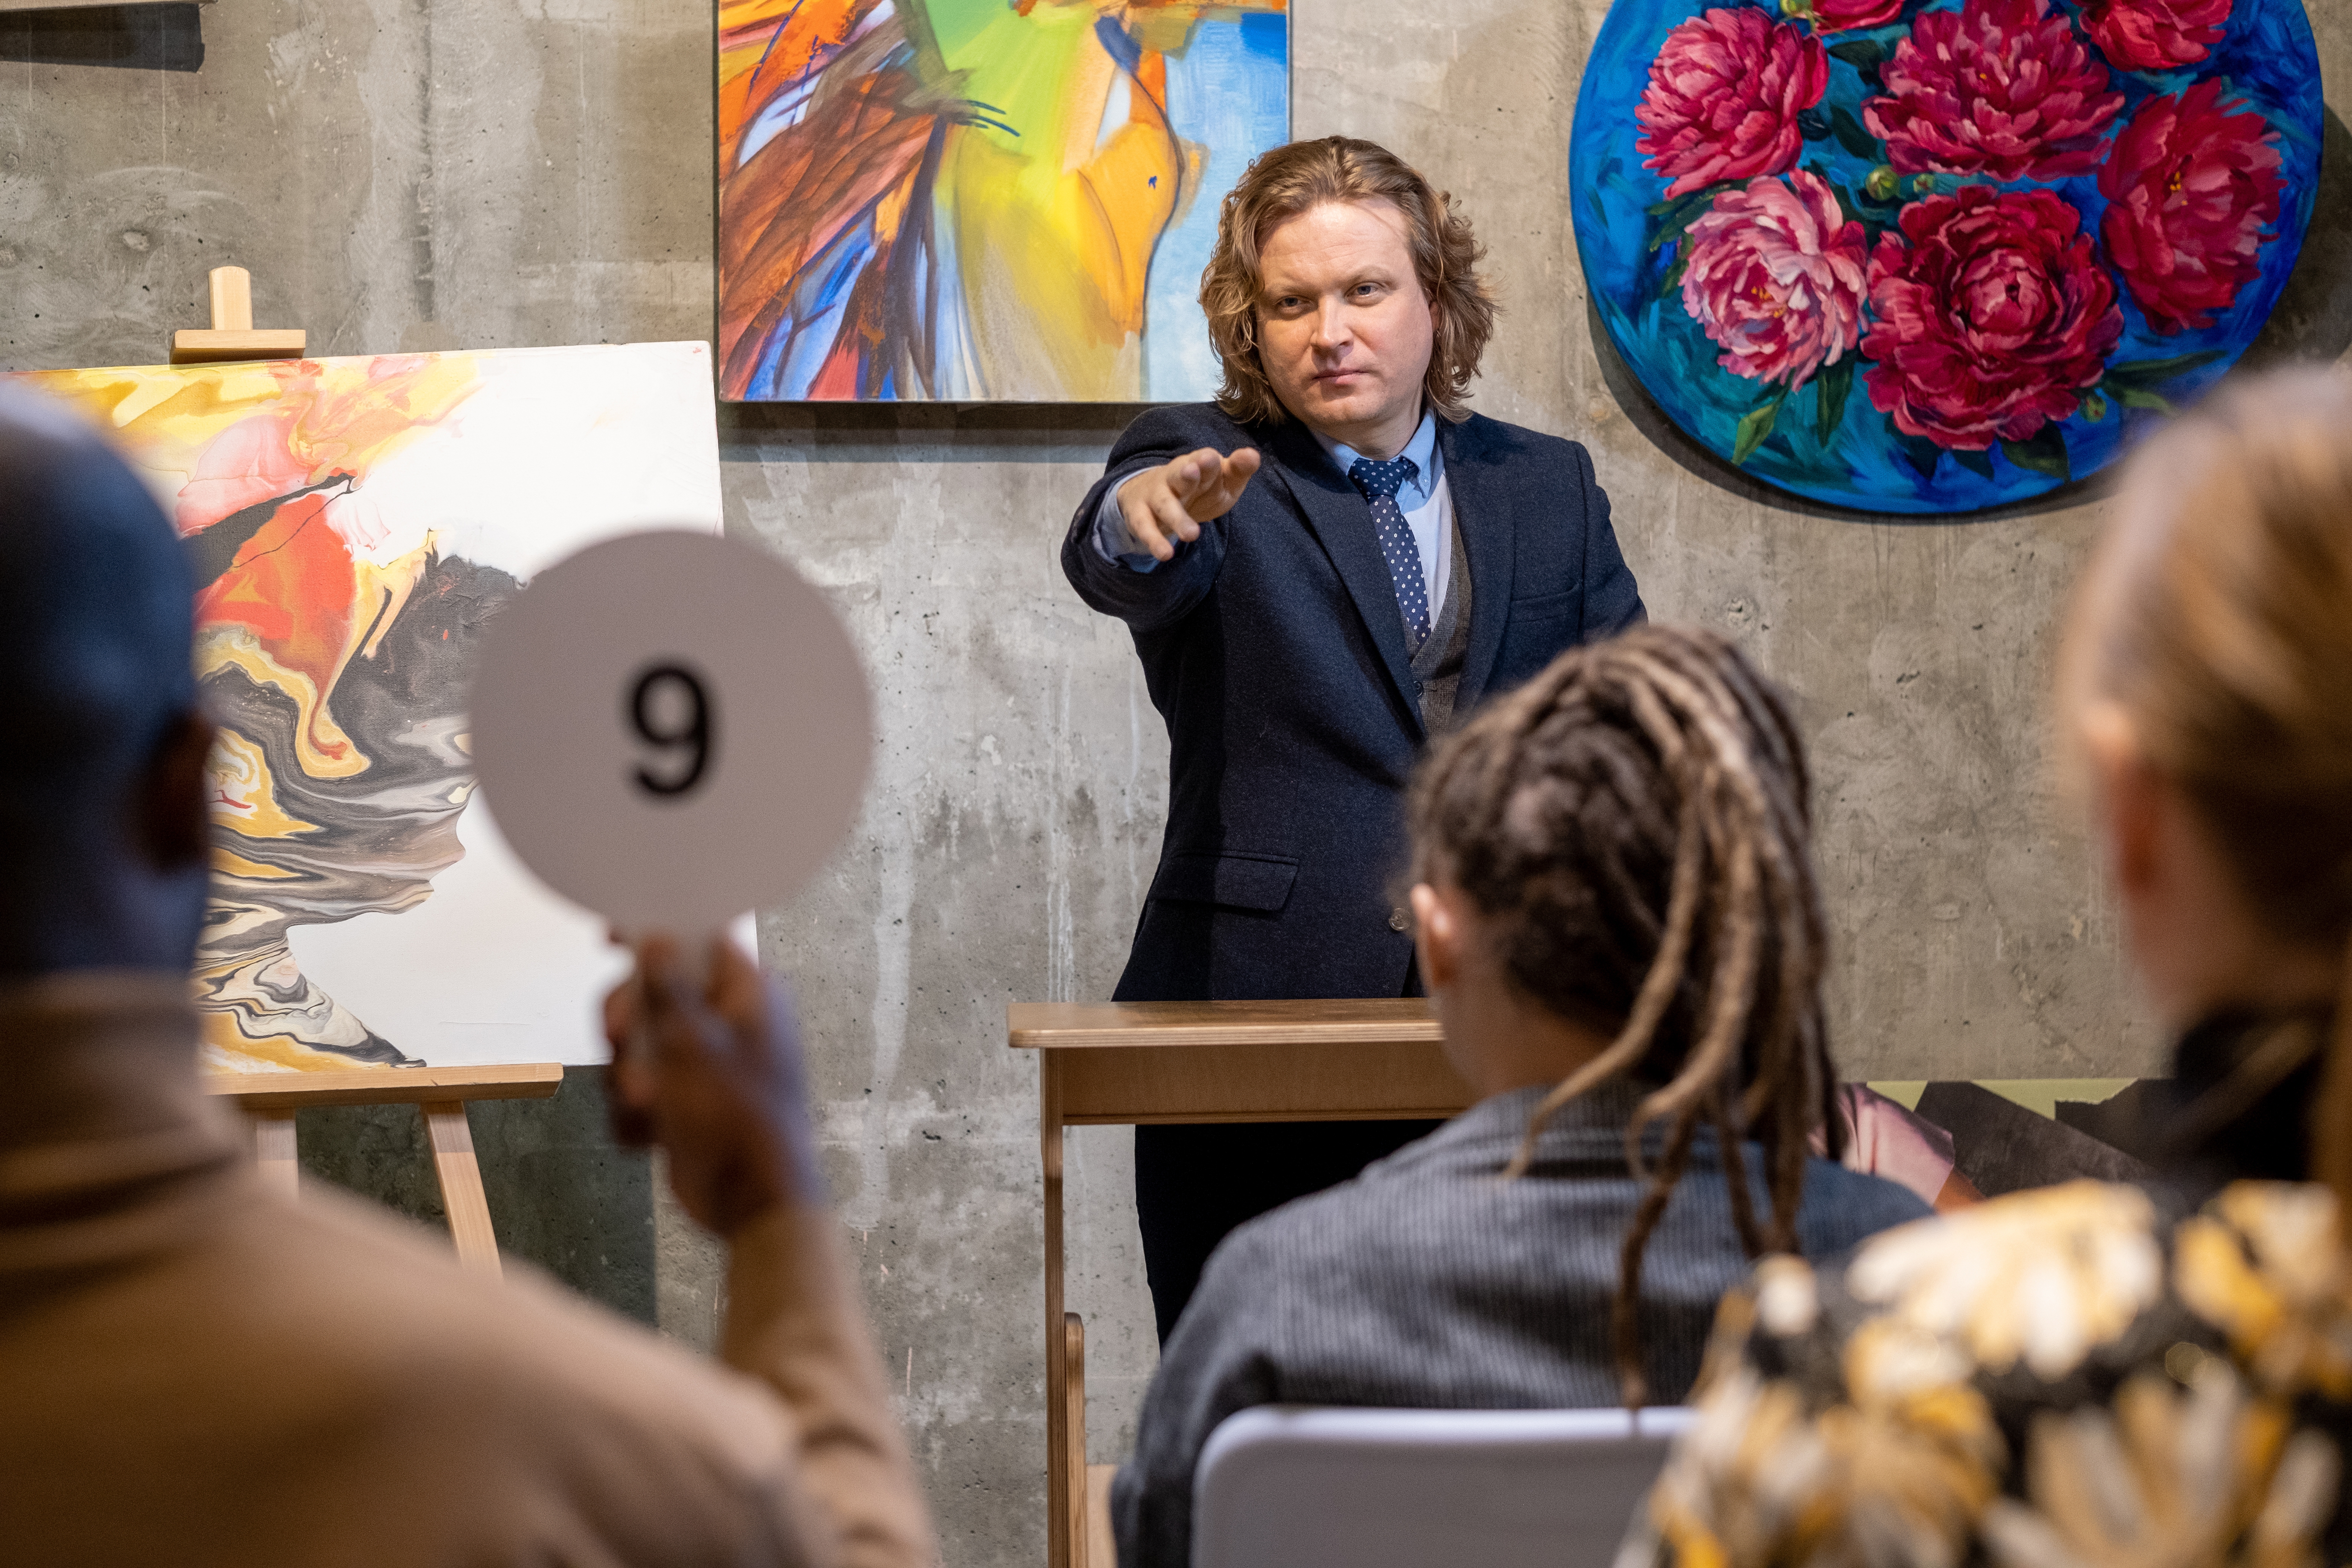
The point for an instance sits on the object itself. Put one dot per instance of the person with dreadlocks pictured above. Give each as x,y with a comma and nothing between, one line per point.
1619,923
2100,1374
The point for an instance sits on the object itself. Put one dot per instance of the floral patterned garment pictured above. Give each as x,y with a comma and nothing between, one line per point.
2070,1377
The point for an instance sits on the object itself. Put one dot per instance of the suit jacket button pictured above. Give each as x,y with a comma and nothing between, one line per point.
1399,920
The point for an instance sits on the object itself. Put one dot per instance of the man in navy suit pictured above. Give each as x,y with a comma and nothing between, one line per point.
1321,570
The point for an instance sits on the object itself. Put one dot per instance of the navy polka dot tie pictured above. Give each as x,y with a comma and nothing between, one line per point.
1379,482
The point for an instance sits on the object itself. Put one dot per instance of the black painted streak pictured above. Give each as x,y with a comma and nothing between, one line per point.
168,36
212,551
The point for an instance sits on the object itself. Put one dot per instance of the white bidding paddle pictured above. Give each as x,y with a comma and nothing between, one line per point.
674,728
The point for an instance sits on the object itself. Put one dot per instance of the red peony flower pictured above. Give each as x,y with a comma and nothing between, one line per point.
2001,87
1991,315
2191,185
1776,277
2156,34
1844,16
1724,97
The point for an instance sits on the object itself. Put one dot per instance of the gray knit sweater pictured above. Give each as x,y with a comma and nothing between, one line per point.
1426,1282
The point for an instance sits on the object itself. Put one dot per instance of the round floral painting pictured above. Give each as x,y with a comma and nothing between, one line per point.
1933,257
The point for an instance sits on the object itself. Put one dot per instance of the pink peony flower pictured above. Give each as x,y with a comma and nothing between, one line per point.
1844,16
2156,34
1776,277
2191,185
1724,97
1999,88
1991,315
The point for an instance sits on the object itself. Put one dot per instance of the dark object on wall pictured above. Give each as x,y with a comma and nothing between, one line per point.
141,37
2132,1120
2001,1147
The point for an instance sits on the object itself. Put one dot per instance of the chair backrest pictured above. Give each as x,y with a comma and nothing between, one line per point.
1321,1486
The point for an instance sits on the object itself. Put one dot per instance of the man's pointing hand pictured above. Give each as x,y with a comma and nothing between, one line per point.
1167,505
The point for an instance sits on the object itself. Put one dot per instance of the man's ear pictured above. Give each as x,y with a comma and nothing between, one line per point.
1436,937
174,826
2127,797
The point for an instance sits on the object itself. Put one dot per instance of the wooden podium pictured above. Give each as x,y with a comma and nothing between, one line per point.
1134,1062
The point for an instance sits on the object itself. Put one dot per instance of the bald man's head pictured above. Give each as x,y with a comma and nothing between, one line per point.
102,813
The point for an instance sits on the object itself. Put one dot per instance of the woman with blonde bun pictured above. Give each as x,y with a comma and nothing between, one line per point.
2105,1374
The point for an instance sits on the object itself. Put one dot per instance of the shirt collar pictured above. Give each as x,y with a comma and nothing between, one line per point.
1422,449
97,1055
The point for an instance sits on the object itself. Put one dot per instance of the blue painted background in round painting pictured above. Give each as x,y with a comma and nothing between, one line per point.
2268,59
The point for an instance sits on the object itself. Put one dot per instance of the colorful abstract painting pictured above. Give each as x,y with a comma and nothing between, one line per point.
354,524
1937,256
982,200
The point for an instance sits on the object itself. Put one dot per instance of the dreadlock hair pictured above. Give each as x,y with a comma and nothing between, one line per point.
1634,825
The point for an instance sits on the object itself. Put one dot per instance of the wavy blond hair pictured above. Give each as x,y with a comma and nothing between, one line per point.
1290,180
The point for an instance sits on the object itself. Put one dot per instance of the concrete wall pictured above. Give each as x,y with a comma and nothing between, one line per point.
413,173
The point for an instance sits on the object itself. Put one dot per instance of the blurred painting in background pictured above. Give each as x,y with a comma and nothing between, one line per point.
354,525
982,200
1933,256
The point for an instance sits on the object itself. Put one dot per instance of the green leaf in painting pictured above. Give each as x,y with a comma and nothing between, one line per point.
1852,136
1671,284
1977,463
1692,200
2044,452
1917,450
1860,53
1831,387
2141,397
2149,371
1755,428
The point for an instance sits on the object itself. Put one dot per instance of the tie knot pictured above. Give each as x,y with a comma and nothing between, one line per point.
1383,479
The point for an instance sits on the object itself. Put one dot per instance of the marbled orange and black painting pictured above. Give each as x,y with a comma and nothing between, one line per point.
354,528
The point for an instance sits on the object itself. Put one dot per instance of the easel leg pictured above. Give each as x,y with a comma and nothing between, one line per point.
461,1185
1059,1549
1102,1548
273,1149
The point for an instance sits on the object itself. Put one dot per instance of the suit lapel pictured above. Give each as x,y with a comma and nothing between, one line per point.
1336,513
1483,511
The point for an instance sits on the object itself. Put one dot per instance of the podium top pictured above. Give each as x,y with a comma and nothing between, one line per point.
1068,1026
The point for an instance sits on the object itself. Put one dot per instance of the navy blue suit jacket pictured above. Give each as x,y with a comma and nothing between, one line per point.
1274,649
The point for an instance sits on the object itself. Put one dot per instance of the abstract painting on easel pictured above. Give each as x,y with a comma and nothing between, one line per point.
354,524
980,200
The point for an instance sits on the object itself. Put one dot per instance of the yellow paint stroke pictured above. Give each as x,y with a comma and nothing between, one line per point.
244,794
229,863
213,439
240,1052
1055,226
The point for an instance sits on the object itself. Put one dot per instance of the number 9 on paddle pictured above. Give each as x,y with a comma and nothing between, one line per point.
672,729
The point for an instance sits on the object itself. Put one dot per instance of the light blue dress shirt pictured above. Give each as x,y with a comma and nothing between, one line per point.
1426,500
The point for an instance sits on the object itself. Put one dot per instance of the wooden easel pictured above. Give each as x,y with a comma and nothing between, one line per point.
231,336
269,1101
